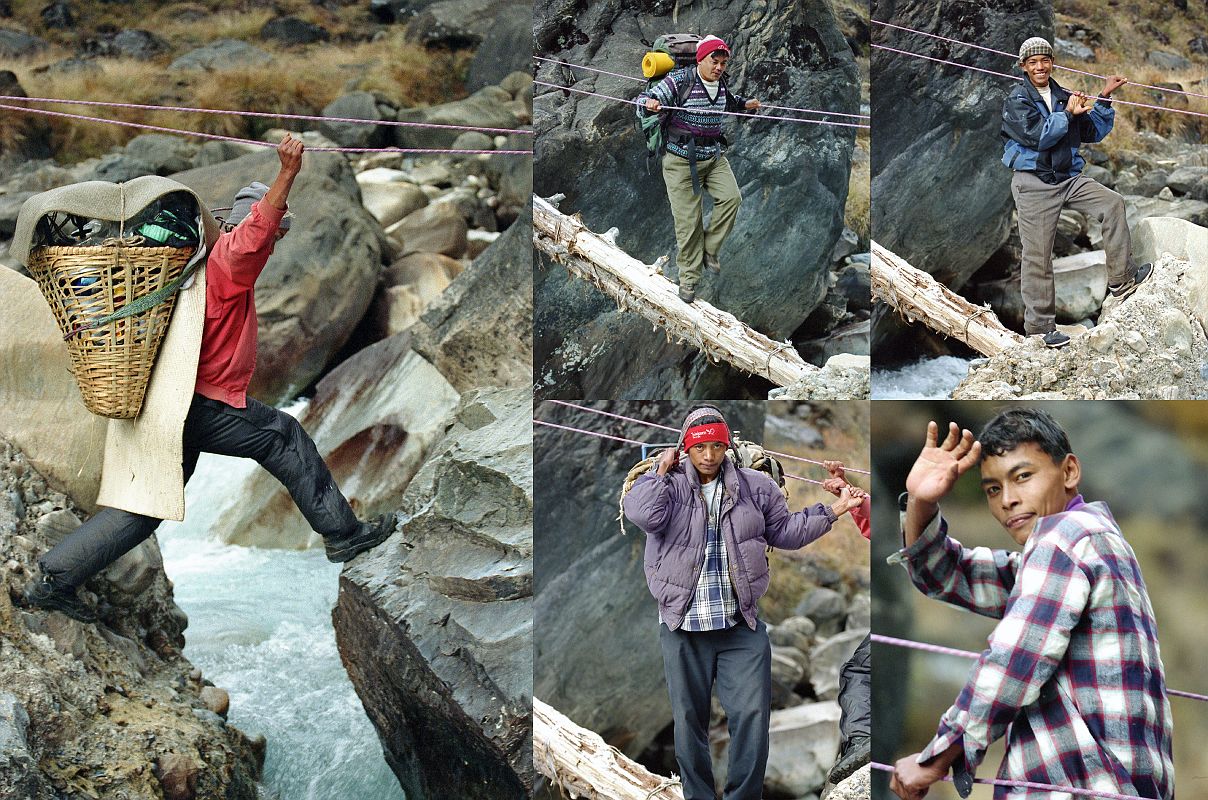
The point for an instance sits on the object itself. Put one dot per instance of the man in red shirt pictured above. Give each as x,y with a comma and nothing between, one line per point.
222,418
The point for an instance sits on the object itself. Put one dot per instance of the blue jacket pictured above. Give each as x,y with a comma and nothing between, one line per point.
1044,143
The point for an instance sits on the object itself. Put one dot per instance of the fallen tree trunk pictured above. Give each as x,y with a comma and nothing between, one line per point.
919,297
640,288
581,764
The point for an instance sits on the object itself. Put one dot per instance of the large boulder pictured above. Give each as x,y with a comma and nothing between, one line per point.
355,105
319,281
15,44
506,47
374,441
777,259
598,658
100,710
41,411
435,626
804,741
489,107
28,135
943,196
220,55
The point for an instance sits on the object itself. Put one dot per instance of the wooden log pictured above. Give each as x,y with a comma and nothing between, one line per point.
919,297
579,763
640,288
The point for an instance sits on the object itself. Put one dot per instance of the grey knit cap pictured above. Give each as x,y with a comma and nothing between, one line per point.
1036,46
246,198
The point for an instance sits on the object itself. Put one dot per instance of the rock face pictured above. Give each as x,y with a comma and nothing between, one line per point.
1151,345
41,410
435,626
321,277
598,659
110,710
777,259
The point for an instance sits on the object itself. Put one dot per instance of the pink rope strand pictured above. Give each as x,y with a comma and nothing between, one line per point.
676,432
643,80
677,108
1043,787
1018,78
951,651
1015,56
220,138
308,117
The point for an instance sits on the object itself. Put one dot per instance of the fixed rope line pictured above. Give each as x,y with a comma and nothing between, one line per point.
569,65
308,117
1019,78
630,102
952,651
1043,787
676,431
1016,57
238,140
641,444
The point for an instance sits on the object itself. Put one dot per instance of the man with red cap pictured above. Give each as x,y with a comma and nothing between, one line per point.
708,525
694,158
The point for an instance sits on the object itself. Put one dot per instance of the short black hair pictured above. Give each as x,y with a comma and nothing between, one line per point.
1015,426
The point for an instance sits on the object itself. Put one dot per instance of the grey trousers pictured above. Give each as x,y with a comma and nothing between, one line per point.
273,438
739,661
1039,207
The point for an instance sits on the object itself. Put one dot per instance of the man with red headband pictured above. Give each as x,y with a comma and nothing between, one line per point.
707,527
694,158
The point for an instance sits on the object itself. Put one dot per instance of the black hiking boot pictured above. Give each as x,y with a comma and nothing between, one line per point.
687,293
49,595
367,536
1129,286
856,753
1056,339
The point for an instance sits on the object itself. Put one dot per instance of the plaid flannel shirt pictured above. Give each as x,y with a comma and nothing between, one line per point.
1072,674
714,605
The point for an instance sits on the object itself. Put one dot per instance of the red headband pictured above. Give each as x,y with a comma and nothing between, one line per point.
710,432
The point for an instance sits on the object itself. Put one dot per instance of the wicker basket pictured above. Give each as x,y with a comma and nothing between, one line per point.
111,362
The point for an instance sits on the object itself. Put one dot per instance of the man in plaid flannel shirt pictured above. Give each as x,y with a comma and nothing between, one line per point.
1072,674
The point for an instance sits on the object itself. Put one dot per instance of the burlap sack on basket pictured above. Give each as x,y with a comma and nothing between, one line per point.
142,470
749,455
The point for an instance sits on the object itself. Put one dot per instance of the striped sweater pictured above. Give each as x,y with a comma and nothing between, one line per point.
702,118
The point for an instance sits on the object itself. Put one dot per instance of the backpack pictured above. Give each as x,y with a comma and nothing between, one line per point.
747,454
669,52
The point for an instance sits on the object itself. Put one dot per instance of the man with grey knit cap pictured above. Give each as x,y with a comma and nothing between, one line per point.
222,419
1043,125
708,524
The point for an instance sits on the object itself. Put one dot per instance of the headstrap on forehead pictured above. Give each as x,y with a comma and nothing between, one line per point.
709,432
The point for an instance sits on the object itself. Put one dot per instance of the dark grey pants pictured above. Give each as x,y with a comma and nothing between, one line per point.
273,438
1039,208
855,694
739,661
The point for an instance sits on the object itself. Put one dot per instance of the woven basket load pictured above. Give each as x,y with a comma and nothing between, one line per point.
111,362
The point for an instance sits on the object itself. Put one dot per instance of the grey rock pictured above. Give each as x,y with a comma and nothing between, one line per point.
1067,51
10,207
1189,180
290,31
855,284
848,243
485,108
391,202
33,128
506,47
788,668
129,43
15,44
1166,60
119,168
859,612
354,105
826,608
75,66
796,632
212,153
827,659
58,14
803,744
221,55
438,228
389,11
473,140
18,768
334,242
1100,174
136,571
164,154
435,626
1140,208
1151,183
857,787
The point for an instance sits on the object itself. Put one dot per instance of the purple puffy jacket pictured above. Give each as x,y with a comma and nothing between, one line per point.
671,510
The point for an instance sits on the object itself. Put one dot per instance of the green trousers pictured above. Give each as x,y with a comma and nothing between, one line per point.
693,240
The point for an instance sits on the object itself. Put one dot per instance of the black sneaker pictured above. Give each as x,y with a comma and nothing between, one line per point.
1055,339
856,753
687,293
1129,286
367,536
49,595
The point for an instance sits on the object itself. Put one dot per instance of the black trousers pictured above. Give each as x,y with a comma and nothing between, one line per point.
855,693
273,438
739,661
